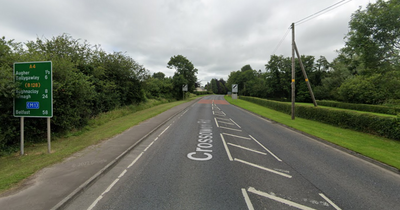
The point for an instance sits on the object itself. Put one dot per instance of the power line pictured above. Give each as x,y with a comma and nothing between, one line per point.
334,6
310,17
280,42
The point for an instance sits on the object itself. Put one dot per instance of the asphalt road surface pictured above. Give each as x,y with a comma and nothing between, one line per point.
217,156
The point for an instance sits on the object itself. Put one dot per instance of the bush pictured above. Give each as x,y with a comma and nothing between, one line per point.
388,127
361,107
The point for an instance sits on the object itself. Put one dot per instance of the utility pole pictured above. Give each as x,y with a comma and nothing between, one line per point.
294,48
305,76
293,74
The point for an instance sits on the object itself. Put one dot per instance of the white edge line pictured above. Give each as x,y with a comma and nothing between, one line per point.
95,202
216,122
330,202
226,148
235,123
245,148
122,174
263,168
282,200
247,199
241,137
276,157
230,129
149,146
109,187
134,161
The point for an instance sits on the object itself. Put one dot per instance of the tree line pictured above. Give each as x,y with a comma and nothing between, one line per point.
86,81
366,70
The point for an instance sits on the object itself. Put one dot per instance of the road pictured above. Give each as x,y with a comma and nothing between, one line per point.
217,156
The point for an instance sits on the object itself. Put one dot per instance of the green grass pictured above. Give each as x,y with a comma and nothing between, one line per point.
378,148
15,168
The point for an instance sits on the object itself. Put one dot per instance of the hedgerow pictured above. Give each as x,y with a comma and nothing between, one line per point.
388,127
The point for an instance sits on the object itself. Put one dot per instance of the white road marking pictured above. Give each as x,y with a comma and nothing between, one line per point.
228,134
247,199
148,146
245,148
111,186
330,202
230,129
226,148
218,118
276,157
122,174
95,202
164,130
235,123
228,123
263,168
102,194
281,200
216,122
134,161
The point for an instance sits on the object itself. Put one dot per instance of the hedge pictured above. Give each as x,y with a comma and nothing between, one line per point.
388,127
361,107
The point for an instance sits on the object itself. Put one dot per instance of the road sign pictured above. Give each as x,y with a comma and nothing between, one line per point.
185,88
234,88
35,93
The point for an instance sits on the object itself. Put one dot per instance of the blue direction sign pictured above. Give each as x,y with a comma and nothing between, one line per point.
32,105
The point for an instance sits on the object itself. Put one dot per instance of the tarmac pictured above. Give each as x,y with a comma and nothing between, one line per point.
54,186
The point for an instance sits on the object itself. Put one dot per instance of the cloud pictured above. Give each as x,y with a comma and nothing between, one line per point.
216,36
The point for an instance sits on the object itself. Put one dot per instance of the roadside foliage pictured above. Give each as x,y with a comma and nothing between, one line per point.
87,81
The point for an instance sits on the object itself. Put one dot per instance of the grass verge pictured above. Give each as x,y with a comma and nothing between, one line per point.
15,168
378,148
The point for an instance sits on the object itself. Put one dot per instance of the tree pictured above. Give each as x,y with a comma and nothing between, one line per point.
159,75
375,35
185,68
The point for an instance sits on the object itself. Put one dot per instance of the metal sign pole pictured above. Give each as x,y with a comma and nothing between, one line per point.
22,136
48,136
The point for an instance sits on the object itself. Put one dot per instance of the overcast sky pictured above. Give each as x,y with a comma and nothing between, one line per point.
217,36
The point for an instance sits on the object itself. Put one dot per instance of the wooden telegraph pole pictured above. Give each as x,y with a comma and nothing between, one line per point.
293,74
294,48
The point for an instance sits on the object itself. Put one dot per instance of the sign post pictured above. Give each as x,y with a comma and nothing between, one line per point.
34,97
184,89
234,91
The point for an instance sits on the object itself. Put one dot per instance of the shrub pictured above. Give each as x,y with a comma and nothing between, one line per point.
388,127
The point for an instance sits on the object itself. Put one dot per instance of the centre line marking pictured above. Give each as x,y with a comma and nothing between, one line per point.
330,202
245,148
263,168
276,157
226,148
235,123
247,199
242,137
281,200
231,129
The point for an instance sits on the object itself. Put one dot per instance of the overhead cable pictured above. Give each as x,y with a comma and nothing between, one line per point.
279,44
334,6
